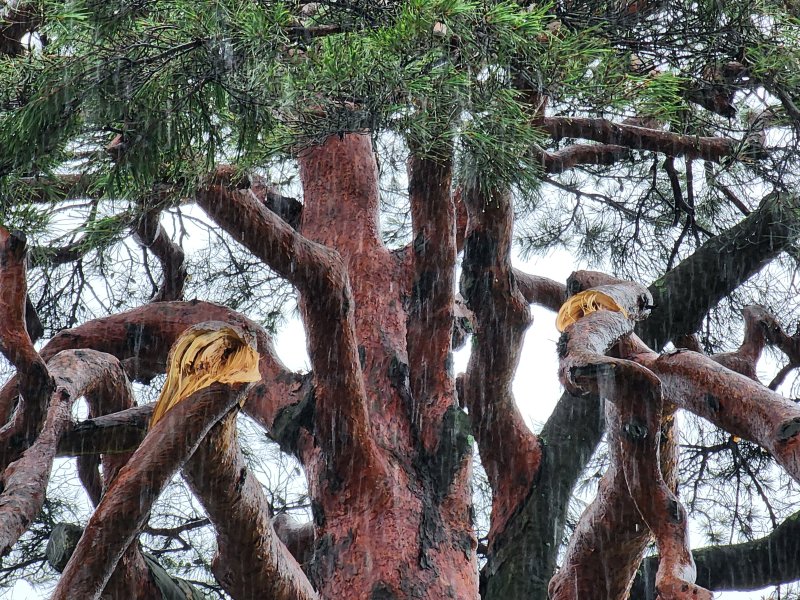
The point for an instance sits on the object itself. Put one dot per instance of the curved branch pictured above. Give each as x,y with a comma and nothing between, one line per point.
165,449
540,290
150,234
730,401
142,337
734,255
319,273
639,138
510,452
251,561
582,154
33,382
77,373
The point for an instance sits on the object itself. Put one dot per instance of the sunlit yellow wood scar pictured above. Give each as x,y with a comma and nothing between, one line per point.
584,303
202,356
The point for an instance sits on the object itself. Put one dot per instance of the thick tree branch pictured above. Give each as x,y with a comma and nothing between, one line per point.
33,381
150,234
634,442
167,447
142,337
510,452
431,310
729,400
540,290
251,561
319,273
76,373
115,433
581,154
607,545
734,255
768,561
639,138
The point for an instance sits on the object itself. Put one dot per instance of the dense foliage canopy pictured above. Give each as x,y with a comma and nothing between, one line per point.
655,141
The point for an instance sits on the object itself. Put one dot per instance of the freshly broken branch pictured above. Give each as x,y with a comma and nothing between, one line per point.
165,449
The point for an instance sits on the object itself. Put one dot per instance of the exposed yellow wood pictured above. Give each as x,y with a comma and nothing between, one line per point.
584,303
205,354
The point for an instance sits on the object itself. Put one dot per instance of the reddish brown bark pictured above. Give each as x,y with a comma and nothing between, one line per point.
167,447
319,273
77,373
34,383
541,290
635,439
502,315
640,138
251,561
731,401
380,499
432,303
609,541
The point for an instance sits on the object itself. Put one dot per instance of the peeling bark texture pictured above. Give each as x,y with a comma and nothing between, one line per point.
639,406
77,373
411,524
733,256
639,138
34,383
167,447
502,315
251,561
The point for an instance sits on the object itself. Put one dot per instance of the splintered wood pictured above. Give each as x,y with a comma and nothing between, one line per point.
207,353
583,304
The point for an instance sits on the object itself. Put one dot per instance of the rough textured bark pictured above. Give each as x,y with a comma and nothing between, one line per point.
77,373
170,443
502,316
251,561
